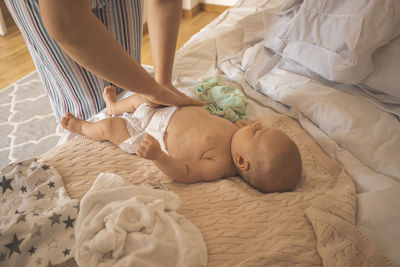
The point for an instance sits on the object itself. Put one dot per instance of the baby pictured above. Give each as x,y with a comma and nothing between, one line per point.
189,145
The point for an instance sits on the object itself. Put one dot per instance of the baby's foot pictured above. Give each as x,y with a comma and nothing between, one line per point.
72,124
110,97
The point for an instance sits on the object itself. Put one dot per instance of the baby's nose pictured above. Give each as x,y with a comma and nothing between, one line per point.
257,125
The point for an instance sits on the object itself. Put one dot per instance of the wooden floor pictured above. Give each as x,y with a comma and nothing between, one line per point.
16,62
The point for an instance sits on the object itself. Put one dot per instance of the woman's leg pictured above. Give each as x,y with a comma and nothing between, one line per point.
69,86
123,18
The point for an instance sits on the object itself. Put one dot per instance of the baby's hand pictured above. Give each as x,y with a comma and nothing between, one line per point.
149,148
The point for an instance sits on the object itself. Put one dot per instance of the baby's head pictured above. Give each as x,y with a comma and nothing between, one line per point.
266,158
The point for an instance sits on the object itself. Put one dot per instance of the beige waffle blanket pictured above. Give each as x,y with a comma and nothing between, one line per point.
313,225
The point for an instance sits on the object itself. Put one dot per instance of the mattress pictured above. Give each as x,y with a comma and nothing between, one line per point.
313,225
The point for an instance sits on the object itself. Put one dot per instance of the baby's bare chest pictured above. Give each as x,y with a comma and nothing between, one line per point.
192,135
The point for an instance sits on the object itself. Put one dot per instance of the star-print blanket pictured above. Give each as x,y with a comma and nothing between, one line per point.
36,216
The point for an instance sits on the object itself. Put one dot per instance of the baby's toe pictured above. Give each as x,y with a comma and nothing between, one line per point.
64,122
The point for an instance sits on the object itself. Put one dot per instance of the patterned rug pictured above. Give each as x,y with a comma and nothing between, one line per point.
28,127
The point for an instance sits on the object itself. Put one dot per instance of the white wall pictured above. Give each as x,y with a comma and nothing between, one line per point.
220,2
189,4
3,28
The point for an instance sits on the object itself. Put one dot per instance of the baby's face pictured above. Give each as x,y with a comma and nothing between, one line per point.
252,140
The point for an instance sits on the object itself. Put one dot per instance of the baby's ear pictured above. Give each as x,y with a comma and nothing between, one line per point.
241,163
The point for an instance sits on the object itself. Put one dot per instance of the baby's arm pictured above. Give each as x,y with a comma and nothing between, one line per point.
189,172
179,170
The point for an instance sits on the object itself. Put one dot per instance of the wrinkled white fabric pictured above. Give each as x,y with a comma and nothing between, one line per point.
146,119
384,81
120,224
335,38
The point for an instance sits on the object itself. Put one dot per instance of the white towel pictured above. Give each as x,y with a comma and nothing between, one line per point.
120,224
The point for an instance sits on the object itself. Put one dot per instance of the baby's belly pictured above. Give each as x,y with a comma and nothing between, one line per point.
192,132
183,136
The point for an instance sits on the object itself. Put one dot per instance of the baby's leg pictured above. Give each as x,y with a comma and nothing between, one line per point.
118,107
110,129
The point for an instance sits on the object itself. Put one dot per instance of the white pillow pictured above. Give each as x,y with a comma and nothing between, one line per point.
335,38
386,75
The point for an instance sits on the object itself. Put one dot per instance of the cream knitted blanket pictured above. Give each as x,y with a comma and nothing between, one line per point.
313,225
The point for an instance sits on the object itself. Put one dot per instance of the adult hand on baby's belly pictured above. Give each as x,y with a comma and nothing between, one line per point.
149,102
170,96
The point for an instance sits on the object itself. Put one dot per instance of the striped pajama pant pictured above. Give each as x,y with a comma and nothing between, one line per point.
70,87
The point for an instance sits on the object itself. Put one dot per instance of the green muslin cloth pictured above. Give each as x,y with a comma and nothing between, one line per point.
221,100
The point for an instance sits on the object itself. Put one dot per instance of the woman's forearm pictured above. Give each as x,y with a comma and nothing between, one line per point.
86,40
163,22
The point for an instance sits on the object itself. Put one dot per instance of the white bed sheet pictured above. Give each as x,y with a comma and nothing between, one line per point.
363,136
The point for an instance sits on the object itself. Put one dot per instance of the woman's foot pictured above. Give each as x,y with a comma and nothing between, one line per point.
72,124
110,97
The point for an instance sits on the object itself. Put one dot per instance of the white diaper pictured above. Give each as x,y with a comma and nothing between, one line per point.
146,119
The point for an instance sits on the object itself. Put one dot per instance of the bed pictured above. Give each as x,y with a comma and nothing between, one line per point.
341,109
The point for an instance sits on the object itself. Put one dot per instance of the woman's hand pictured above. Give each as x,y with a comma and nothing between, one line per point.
168,95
